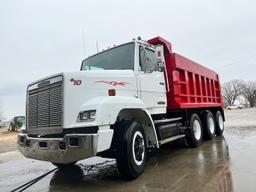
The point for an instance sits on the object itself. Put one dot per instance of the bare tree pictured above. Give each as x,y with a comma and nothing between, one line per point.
231,90
249,92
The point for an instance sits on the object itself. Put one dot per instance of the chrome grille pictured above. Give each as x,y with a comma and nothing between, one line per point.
45,105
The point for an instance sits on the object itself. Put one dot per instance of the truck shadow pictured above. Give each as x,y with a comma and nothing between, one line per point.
172,168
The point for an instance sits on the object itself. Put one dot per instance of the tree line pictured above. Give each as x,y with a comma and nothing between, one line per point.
234,89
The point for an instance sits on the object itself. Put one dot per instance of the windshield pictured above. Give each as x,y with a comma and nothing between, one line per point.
119,58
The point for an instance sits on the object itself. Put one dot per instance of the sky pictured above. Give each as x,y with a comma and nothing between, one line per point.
43,37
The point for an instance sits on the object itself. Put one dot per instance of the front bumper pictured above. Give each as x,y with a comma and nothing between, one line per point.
70,148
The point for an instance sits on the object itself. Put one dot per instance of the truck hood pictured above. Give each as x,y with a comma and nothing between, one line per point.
81,87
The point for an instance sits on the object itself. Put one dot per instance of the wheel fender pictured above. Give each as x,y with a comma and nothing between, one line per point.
143,117
108,109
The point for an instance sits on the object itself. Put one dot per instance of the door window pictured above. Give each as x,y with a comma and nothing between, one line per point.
148,60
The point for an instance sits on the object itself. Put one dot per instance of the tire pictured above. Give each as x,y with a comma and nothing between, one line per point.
209,126
10,127
194,134
130,149
219,123
64,166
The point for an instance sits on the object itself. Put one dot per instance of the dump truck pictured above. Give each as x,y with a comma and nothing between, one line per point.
124,102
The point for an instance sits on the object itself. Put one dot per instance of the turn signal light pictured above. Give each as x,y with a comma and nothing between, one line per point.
111,92
158,53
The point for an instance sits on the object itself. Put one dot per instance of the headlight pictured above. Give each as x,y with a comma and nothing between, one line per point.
87,115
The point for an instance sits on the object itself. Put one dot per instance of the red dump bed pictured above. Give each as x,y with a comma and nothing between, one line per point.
191,85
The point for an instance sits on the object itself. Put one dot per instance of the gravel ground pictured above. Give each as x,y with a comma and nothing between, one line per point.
241,118
7,140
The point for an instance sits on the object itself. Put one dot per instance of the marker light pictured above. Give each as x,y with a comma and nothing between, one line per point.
111,92
158,53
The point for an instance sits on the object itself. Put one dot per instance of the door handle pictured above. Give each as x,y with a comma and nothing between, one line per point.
161,83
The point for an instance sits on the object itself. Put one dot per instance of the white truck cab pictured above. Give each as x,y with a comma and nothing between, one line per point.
77,115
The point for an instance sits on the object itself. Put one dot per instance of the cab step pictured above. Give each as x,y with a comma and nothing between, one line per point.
173,138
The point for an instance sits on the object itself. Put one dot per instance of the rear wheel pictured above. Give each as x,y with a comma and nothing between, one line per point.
219,123
209,126
131,149
195,132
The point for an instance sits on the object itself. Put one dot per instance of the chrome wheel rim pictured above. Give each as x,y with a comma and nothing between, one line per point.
197,129
221,123
211,125
138,148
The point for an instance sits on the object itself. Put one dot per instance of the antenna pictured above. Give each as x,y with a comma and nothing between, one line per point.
97,46
83,36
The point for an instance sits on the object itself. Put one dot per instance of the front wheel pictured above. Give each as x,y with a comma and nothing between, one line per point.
10,127
131,149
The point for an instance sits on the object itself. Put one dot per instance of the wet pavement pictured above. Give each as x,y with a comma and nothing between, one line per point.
223,164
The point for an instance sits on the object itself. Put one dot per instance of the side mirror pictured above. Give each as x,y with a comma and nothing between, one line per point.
160,65
160,58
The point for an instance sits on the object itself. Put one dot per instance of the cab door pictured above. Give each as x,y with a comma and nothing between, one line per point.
152,88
